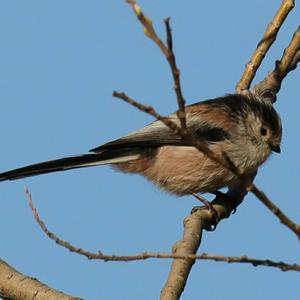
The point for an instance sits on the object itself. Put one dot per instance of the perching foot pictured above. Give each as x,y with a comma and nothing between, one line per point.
210,208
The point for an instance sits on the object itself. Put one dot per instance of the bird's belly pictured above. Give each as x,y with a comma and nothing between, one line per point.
182,170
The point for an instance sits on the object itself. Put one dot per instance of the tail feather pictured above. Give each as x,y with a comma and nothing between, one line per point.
67,163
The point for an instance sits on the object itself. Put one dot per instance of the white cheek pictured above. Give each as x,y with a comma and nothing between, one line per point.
248,153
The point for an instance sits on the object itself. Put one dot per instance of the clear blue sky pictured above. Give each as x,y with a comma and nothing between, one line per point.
59,63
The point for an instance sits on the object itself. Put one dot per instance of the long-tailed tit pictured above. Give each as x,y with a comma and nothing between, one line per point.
244,127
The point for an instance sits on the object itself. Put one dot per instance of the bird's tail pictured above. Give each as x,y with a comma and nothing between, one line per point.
67,163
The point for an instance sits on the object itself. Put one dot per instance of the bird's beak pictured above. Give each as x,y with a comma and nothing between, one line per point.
275,148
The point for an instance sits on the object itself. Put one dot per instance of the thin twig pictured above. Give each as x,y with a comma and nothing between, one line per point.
201,199
264,45
167,50
284,219
255,262
148,27
295,61
176,76
147,255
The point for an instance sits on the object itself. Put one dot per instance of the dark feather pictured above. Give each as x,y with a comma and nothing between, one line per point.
236,105
158,134
66,163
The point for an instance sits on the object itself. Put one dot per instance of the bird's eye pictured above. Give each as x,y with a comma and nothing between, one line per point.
263,131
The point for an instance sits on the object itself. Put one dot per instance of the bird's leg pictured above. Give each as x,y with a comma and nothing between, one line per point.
211,209
226,197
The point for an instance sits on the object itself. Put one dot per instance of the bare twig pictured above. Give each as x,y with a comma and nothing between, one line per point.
149,110
264,45
288,62
184,256
167,50
176,76
295,61
284,219
148,27
201,199
255,262
17,286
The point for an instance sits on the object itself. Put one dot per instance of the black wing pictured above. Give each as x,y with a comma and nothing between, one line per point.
158,134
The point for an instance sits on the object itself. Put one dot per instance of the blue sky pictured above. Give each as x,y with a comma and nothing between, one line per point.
59,63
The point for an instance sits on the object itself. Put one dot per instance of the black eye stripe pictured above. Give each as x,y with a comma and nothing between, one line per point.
212,134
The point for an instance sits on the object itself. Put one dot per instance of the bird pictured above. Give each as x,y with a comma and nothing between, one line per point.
245,127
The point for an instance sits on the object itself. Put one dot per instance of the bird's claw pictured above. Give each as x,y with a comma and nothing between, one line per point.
228,198
212,211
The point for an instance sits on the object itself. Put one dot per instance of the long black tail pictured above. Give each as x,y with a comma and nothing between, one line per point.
67,163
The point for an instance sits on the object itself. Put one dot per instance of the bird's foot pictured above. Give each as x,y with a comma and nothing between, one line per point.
207,205
226,197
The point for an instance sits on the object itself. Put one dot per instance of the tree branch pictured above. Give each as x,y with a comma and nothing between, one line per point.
255,262
264,45
17,286
167,50
270,85
176,76
284,219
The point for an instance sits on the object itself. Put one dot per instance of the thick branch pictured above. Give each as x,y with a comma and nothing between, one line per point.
269,87
295,61
17,286
193,227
